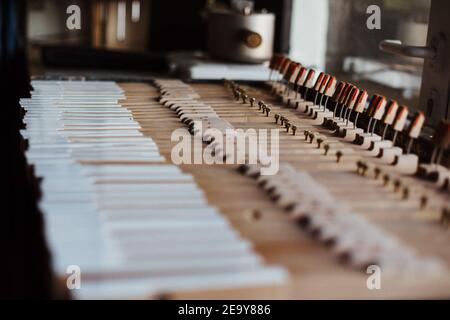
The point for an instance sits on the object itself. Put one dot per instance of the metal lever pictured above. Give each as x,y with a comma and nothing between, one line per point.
396,47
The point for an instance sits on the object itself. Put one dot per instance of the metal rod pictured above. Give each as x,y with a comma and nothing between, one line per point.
396,47
373,128
348,117
384,132
356,121
368,126
394,139
408,148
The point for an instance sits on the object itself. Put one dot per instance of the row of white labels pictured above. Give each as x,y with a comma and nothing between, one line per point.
131,223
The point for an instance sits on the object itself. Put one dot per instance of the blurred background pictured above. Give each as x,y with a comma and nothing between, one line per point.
136,37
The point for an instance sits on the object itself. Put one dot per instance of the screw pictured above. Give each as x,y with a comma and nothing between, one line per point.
306,133
363,168
397,185
445,217
405,193
423,202
288,125
339,155
358,167
386,179
238,95
260,103
326,148
377,172
294,129
311,137
319,142
277,117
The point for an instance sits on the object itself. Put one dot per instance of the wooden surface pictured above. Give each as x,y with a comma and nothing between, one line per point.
314,271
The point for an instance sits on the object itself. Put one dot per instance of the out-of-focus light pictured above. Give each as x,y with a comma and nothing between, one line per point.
121,20
135,11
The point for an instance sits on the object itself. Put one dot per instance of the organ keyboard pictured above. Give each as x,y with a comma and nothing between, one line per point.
353,189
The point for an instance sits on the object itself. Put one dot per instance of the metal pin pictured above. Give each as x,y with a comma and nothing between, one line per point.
339,155
394,139
368,126
434,155
306,133
335,109
377,172
397,185
260,104
445,217
386,179
342,110
363,168
373,128
423,202
358,167
356,121
384,131
326,147
319,142
277,117
348,117
287,125
325,103
410,143
405,193
238,95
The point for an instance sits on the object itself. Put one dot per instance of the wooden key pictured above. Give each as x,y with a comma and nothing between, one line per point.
319,115
303,106
435,171
299,82
307,84
284,74
290,78
349,134
340,100
349,104
388,120
408,163
375,113
321,90
387,155
340,87
274,61
281,69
